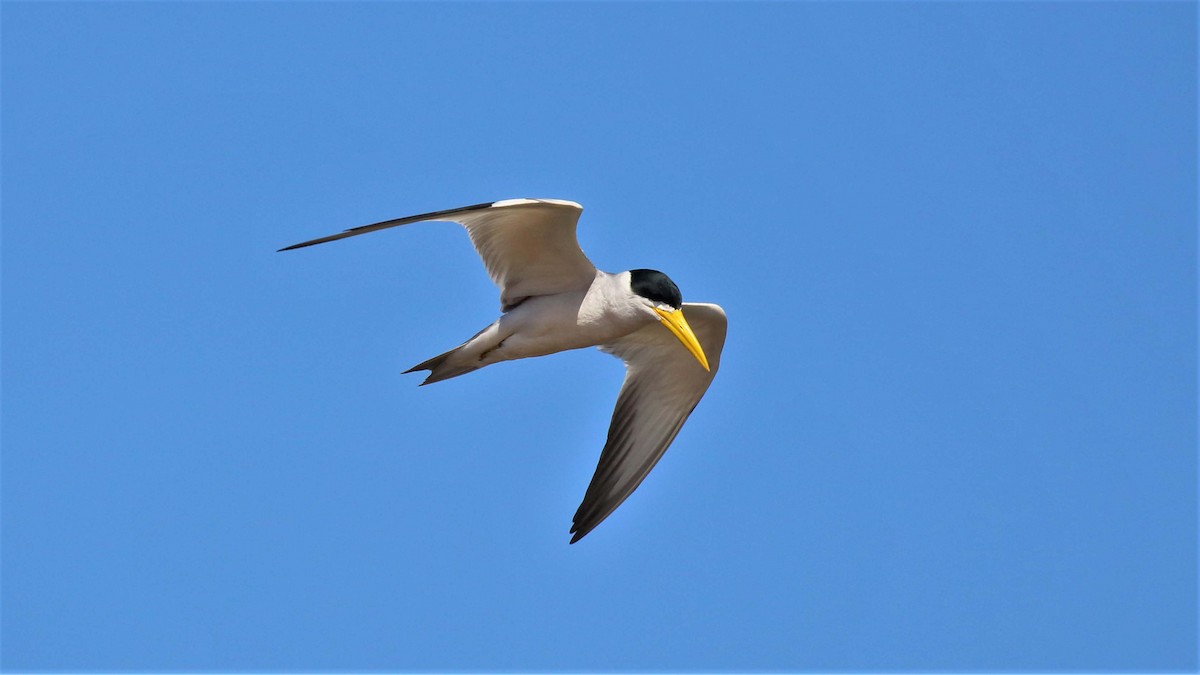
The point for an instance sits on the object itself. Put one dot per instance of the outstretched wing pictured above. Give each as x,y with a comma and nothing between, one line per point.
527,245
663,384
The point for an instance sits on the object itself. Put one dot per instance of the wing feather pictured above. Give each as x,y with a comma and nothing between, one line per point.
528,246
663,384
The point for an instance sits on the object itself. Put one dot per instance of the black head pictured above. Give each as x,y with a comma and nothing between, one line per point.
656,286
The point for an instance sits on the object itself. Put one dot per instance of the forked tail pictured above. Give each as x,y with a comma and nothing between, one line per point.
443,367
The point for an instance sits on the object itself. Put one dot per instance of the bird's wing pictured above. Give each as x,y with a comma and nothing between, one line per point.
527,245
663,384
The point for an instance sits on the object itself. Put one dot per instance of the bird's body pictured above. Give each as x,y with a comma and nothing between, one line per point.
553,299
545,324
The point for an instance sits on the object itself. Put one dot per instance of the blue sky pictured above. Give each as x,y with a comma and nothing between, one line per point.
955,425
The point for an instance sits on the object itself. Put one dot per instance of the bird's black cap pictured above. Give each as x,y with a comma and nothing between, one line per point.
656,286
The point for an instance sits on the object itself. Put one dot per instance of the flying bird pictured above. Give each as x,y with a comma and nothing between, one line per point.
552,298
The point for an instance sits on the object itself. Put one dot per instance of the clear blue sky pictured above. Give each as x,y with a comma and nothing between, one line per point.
955,426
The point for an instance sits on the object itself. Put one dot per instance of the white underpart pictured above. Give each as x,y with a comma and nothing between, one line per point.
548,324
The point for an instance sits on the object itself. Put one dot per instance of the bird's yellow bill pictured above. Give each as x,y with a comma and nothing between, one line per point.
678,325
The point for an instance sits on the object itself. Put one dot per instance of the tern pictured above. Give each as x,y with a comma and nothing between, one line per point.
552,298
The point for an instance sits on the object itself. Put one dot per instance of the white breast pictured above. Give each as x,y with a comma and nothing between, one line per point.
553,323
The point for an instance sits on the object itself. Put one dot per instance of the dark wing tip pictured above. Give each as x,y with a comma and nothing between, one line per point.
584,522
433,215
322,240
580,532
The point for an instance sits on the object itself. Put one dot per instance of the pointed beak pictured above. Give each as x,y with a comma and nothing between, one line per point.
678,325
